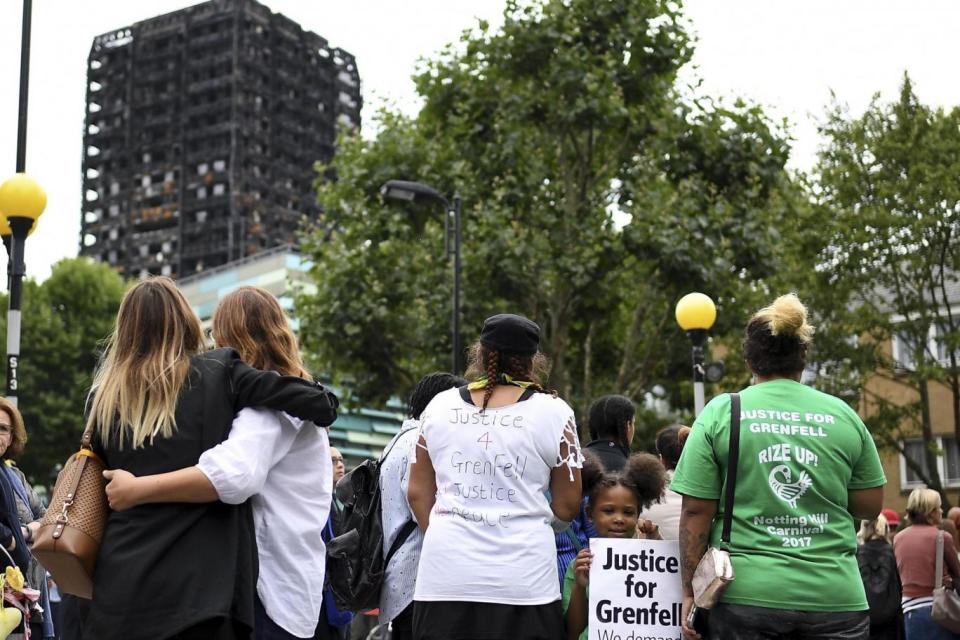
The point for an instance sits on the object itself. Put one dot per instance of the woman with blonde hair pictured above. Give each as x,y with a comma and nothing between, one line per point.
807,466
282,464
915,550
177,570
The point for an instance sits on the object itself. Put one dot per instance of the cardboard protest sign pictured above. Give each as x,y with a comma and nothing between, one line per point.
635,591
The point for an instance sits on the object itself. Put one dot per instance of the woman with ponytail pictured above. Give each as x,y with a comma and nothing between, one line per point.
488,454
807,468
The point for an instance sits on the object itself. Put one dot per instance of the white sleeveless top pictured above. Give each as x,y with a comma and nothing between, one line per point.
489,538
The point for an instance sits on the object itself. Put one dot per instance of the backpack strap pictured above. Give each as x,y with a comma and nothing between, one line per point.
733,458
405,532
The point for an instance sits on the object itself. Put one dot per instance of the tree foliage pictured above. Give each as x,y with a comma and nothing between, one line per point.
890,262
593,198
65,318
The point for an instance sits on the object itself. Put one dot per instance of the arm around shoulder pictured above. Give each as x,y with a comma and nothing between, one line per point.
301,398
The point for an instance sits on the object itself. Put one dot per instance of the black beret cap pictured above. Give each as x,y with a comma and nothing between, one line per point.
511,333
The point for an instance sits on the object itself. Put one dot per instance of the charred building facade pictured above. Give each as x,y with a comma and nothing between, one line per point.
201,134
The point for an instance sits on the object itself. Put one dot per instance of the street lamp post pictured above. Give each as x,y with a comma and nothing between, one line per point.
406,191
22,201
695,314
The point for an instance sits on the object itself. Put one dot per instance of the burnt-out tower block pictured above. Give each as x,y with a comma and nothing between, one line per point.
201,134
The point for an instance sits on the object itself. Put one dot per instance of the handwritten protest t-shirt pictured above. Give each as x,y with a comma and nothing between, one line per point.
489,538
793,543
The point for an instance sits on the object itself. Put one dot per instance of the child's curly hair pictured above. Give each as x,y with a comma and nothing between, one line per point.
643,475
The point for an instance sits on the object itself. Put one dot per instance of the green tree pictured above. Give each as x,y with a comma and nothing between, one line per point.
65,318
593,197
891,260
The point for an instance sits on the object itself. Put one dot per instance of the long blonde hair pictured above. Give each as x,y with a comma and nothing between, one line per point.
146,363
251,320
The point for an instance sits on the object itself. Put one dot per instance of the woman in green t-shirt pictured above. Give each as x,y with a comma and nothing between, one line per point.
807,468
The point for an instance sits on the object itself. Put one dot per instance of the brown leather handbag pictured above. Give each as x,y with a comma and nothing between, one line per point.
68,540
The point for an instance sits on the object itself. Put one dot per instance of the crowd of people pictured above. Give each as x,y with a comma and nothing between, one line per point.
221,483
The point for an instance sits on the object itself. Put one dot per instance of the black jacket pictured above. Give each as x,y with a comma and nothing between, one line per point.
612,456
166,567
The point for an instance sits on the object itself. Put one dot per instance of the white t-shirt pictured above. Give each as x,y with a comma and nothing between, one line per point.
283,465
489,538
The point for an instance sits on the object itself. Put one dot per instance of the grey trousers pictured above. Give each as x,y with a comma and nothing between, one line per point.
742,622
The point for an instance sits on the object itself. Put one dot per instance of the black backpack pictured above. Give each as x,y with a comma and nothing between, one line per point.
355,560
881,581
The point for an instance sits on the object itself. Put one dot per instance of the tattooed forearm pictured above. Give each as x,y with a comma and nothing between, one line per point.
693,545
696,518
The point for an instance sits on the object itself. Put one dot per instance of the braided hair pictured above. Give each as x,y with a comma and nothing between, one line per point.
494,365
643,475
609,417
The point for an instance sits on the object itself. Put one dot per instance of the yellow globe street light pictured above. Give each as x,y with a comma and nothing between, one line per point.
22,202
696,313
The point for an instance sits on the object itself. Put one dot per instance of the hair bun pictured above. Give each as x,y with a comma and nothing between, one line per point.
682,434
787,316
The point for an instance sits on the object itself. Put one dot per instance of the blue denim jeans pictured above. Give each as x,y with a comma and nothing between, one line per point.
742,622
920,626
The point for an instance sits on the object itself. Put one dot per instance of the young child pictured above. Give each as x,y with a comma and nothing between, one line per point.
614,504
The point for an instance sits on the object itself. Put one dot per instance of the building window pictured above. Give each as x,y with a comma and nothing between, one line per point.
943,354
114,210
218,189
145,181
201,216
114,188
951,460
203,168
166,270
219,165
202,193
948,462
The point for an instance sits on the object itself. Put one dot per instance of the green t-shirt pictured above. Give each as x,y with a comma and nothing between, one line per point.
569,581
793,542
